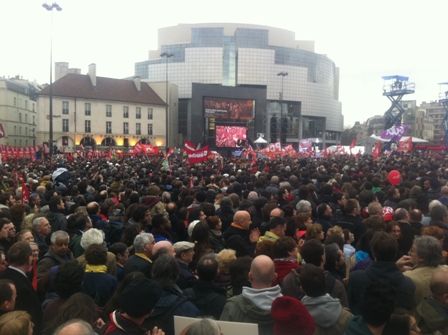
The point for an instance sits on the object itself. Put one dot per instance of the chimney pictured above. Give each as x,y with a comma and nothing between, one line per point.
60,69
92,73
138,83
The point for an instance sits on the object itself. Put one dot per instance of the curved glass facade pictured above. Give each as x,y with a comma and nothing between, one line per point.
250,55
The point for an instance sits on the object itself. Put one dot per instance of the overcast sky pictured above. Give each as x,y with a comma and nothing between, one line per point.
366,39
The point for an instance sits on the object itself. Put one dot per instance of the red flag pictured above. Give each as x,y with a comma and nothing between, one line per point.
376,152
25,193
198,156
189,146
353,144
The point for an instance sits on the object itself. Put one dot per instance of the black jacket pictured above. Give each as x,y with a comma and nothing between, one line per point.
207,297
136,263
386,272
238,240
27,299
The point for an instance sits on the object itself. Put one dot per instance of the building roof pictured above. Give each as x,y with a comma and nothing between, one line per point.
80,86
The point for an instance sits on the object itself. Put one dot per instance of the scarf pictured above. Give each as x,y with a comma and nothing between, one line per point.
96,268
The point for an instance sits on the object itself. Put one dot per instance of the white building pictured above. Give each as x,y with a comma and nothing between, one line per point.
97,111
18,115
242,62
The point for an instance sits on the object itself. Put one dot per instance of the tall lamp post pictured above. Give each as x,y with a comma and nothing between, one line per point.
282,74
166,55
50,8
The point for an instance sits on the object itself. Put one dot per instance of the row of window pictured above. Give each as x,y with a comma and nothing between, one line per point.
88,110
28,132
88,129
26,104
26,118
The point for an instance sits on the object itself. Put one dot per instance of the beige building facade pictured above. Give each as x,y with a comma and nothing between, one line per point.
93,111
18,115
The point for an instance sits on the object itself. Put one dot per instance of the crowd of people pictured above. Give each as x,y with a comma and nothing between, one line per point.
297,246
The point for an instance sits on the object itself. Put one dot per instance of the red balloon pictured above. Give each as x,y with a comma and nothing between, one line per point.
394,177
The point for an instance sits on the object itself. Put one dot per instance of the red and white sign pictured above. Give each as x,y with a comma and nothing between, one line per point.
198,156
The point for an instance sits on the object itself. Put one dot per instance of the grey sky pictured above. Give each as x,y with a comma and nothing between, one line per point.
366,39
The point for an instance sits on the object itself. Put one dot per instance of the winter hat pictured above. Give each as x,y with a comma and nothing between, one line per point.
191,227
291,317
139,297
388,214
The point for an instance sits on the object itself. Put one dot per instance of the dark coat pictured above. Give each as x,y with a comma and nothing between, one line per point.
186,278
100,286
121,326
208,298
136,263
386,272
238,240
27,299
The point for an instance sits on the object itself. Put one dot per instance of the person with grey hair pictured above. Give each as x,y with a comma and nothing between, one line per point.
426,255
41,231
96,236
57,254
304,206
75,327
141,260
202,327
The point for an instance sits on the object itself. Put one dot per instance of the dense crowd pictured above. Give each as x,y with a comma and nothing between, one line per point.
296,246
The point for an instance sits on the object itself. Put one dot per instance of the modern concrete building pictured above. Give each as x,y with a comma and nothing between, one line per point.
282,87
97,111
18,116
436,112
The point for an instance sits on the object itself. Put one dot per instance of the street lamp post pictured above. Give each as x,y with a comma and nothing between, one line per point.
166,55
282,74
50,8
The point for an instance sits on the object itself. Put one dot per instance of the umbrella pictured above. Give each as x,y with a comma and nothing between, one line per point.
260,140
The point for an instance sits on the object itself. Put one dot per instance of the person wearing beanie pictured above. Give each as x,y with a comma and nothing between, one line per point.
135,303
291,317
254,304
329,315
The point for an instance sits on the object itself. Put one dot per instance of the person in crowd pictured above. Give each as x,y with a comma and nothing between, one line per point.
20,260
327,312
208,297
141,260
225,258
41,233
426,256
16,323
254,304
162,247
97,283
239,236
184,256
77,224
291,317
74,326
285,253
383,268
172,300
433,310
56,215
97,236
25,235
7,233
324,216
203,326
216,240
121,252
265,244
8,296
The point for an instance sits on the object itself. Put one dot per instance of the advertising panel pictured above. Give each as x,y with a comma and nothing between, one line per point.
229,109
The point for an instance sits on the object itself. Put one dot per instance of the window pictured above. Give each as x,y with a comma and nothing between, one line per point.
138,113
108,110
125,128
20,117
108,127
64,140
65,107
26,104
34,107
125,112
149,129
138,129
87,126
26,118
65,128
149,113
34,120
87,109
15,101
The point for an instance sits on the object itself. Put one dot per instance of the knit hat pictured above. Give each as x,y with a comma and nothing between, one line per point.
139,297
388,214
291,317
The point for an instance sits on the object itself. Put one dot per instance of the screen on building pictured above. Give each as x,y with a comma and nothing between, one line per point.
230,136
230,109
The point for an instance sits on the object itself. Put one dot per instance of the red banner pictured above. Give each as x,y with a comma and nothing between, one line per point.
405,146
189,147
198,156
145,149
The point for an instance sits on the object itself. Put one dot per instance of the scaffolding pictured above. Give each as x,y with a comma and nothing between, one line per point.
395,88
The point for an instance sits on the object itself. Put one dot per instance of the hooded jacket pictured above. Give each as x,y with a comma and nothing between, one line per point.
252,306
328,314
386,272
120,326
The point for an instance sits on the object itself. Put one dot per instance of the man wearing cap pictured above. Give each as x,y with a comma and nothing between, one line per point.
184,256
239,237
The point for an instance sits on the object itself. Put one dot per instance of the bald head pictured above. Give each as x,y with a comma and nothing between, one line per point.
242,218
439,285
276,213
262,272
163,245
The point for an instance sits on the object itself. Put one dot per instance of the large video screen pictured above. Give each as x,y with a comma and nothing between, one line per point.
230,109
230,136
